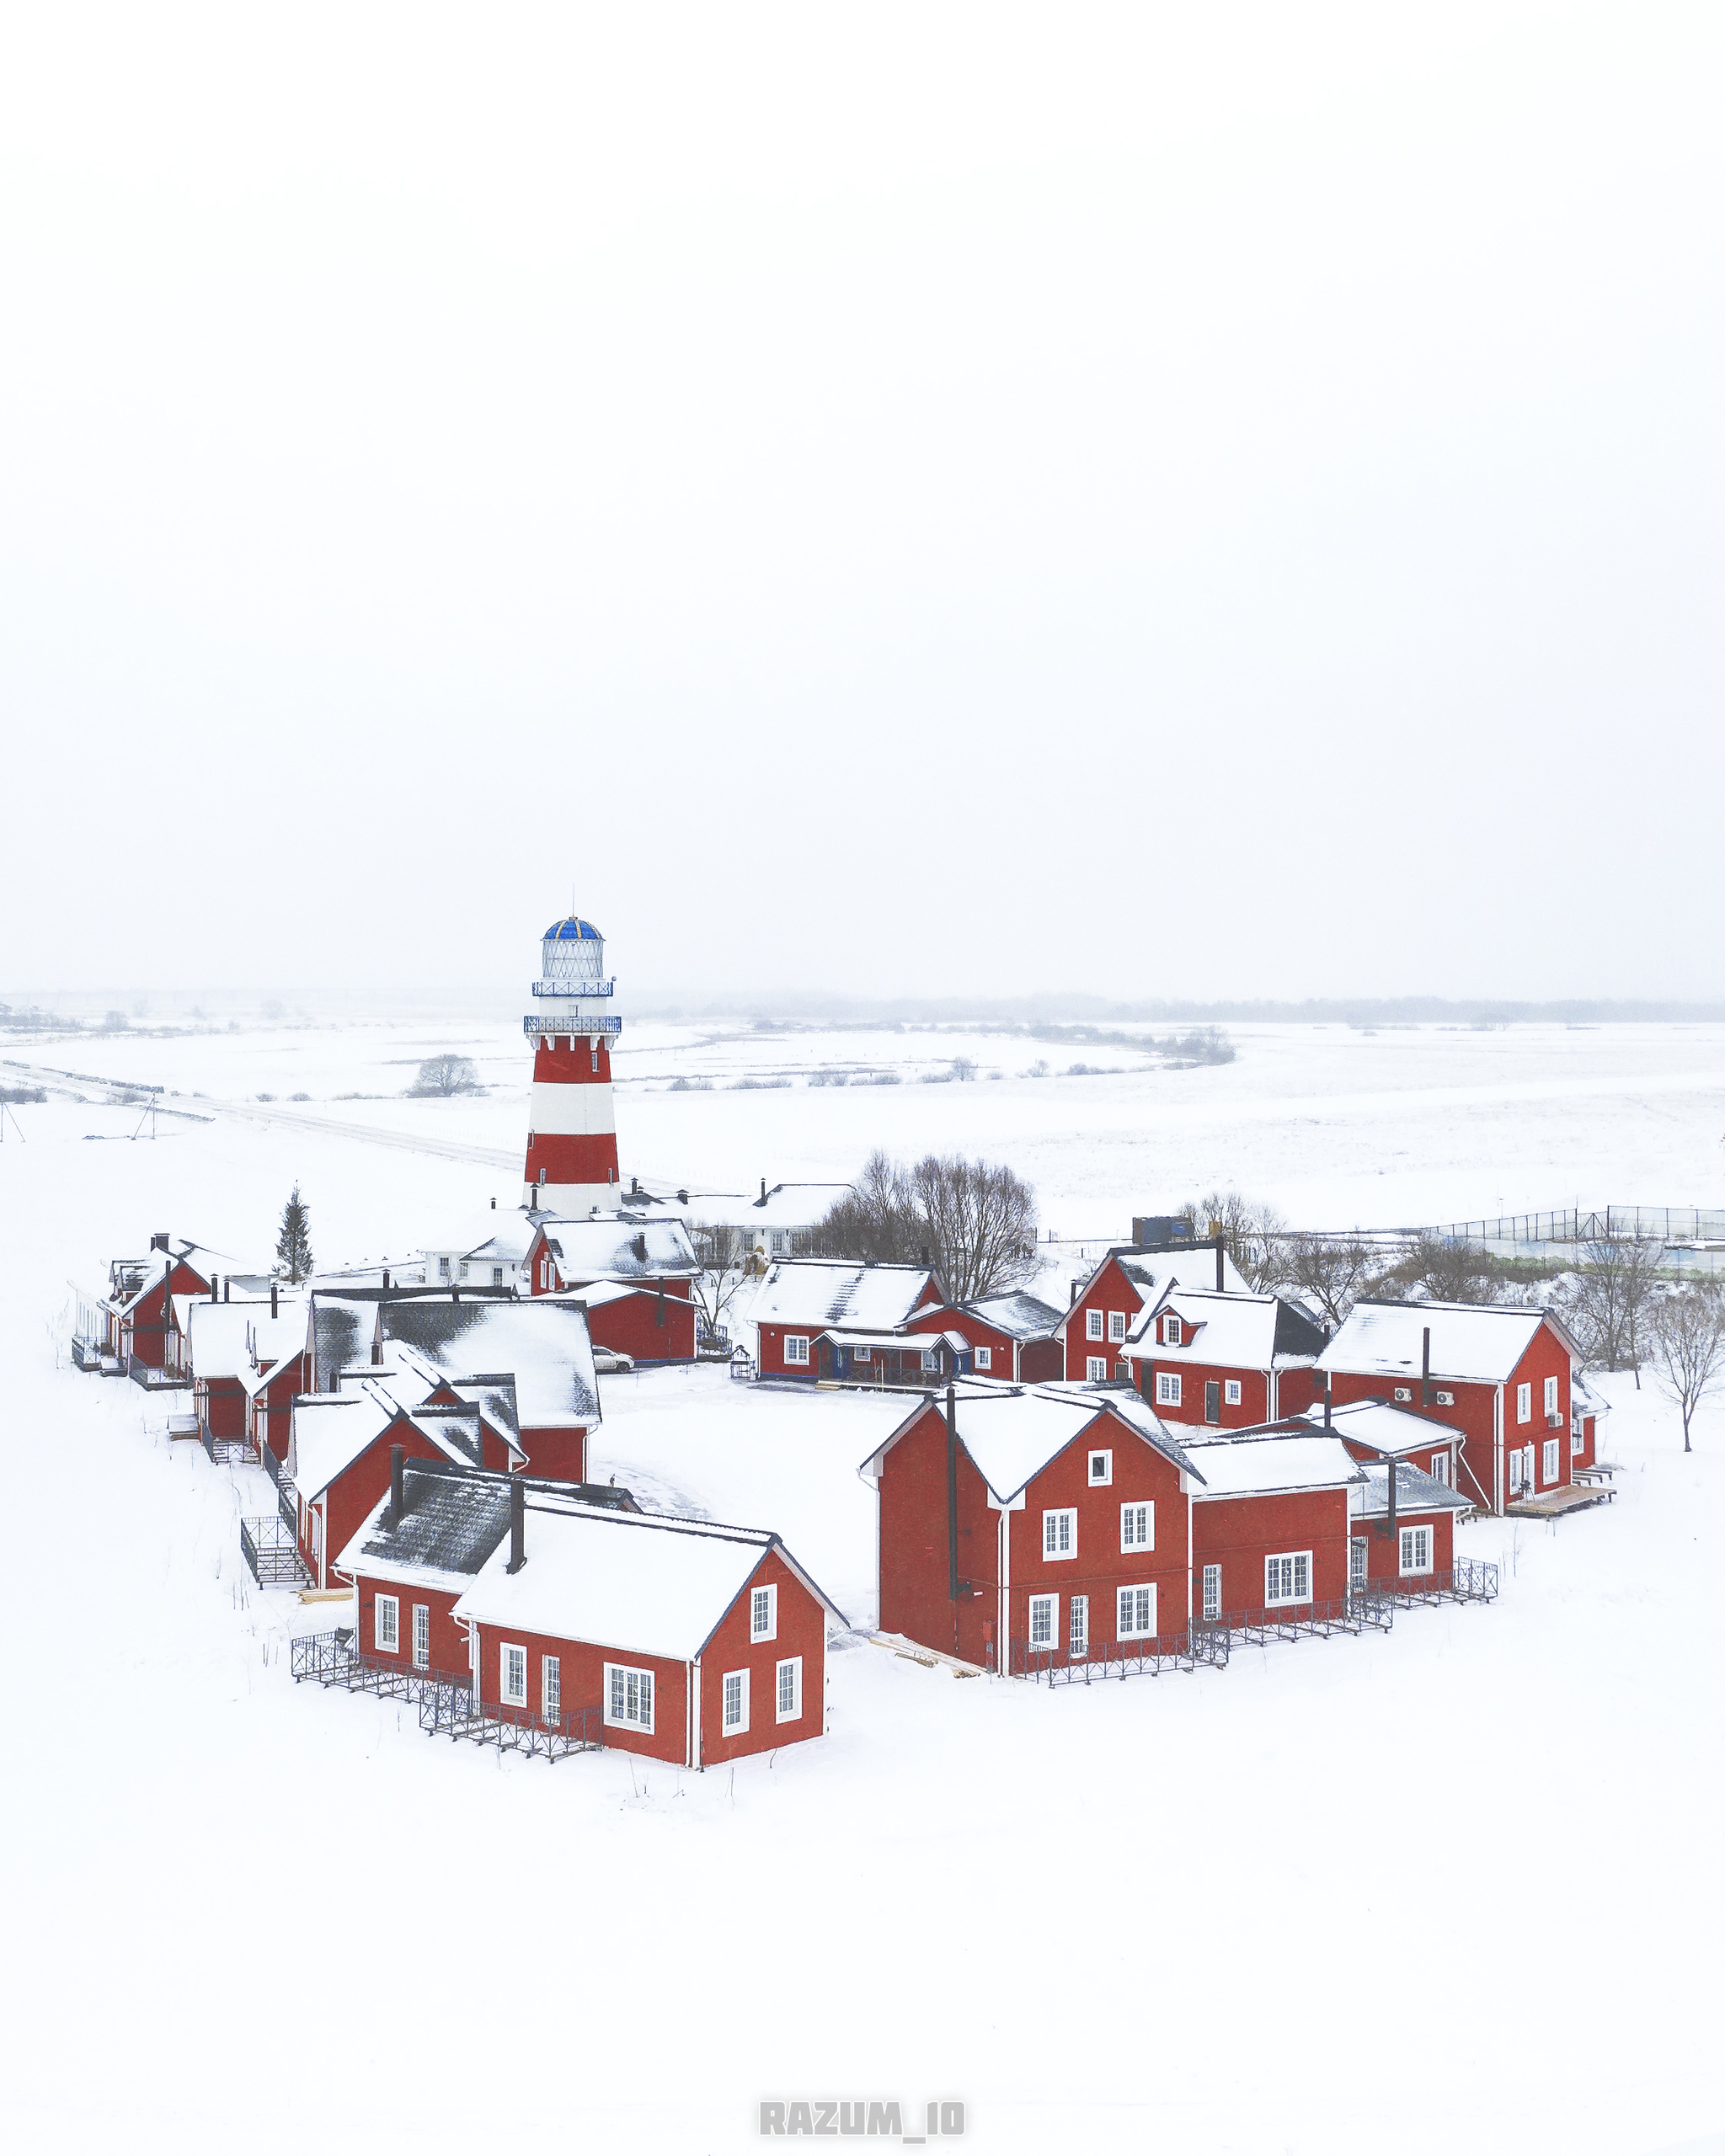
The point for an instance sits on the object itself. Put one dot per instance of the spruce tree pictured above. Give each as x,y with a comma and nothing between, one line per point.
293,1248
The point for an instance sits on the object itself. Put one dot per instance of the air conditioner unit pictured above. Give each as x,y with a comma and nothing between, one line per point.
1446,1399
1404,1392
1554,1421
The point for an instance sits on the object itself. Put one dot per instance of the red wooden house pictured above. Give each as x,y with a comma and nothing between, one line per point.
1586,1407
1012,1336
1373,1431
1226,1361
279,1371
1018,1529
136,1307
1271,1527
1128,1281
684,1641
1412,1547
1499,1373
570,1254
649,1322
218,1360
800,1299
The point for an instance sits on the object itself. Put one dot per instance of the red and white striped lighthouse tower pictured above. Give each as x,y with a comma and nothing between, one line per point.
571,1129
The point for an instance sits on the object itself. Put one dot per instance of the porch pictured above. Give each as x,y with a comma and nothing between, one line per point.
1554,1504
451,1710
892,1361
271,1549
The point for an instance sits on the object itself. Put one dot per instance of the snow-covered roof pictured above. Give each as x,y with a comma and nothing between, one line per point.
614,1247
1480,1342
269,1339
507,1238
1011,1435
543,1344
1019,1316
1392,1431
1416,1491
1242,1467
638,1583
340,1334
1239,1331
1584,1401
820,1292
910,1342
217,1334
794,1205
332,1430
1152,1272
452,1518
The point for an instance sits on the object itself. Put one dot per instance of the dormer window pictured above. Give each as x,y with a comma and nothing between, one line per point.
1170,1333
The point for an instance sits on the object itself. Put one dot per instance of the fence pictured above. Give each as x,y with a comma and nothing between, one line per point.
1665,1223
451,1710
272,1551
1121,1658
1467,1580
221,1448
329,1658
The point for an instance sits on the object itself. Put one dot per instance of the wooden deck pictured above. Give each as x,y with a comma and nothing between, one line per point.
1553,1504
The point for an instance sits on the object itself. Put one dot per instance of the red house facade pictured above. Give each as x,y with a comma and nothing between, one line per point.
1270,1528
1015,1337
1224,1361
1128,1281
800,1299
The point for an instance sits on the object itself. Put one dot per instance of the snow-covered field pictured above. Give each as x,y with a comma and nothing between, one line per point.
1456,1888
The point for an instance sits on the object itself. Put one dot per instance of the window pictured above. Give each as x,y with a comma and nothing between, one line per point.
1287,1578
1440,1468
1092,1325
1170,1332
1134,1614
464,1268
780,1241
593,1053
1416,1549
1060,1535
1212,1592
1078,1625
1230,1391
1551,1396
1117,1325
1096,1369
863,1354
1515,1471
1102,1469
787,1690
628,1698
931,1358
1212,1400
551,1687
796,1347
1551,1469
1577,1442
734,1717
422,1635
1167,1387
1137,1527
1042,1611
386,1624
1523,1403
1358,1549
763,1614
443,1268
497,1276
512,1675
984,1359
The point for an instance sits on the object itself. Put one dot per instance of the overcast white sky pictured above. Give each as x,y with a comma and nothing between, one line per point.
931,498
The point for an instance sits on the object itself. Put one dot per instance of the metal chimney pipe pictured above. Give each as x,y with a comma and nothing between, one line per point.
1218,1265
1392,1499
275,1306
227,1289
397,1457
215,1287
1425,1368
952,1495
517,1522
1327,1400
386,1279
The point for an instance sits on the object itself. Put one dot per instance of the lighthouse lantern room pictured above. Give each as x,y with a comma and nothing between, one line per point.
572,1167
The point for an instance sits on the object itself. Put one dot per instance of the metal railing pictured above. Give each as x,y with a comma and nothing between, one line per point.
451,1710
221,1448
329,1658
1664,1224
273,1553
1101,1659
153,1378
287,1503
1467,1580
1301,1621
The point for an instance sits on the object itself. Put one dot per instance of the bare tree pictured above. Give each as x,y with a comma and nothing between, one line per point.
440,1077
980,1222
877,1222
721,1252
1334,1270
1686,1347
1452,1271
1618,1287
1253,1234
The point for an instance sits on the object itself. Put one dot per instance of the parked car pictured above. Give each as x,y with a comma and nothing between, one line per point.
609,1361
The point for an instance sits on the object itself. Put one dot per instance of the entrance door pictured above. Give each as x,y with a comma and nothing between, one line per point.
1213,1400
1527,1481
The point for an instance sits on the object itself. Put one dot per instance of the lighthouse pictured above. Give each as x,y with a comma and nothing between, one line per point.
572,1128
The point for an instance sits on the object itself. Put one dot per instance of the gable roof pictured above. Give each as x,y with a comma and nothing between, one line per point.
1416,1491
542,1344
820,1292
1010,1435
1479,1343
639,1582
1019,1316
614,1248
1245,1331
216,1333
453,1516
1151,1272
1388,1429
1244,1467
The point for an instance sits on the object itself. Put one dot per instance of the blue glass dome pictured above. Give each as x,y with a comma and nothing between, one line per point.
573,931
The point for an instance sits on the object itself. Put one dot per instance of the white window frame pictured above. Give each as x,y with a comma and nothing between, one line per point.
983,1358
1078,1625
1440,1468
1140,1596
1412,1542
781,1712
1551,1463
1358,1560
1167,1387
386,1639
1578,1438
863,1353
1523,1402
1117,1325
1170,1331
1096,1369
1231,1395
551,1688
1130,1539
796,1351
758,1628
1053,1521
1092,1325
931,1358
617,1675
1210,1589
510,1698
1049,1605
1105,1462
1516,1464
728,1724
422,1635
1551,1397
1292,1600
